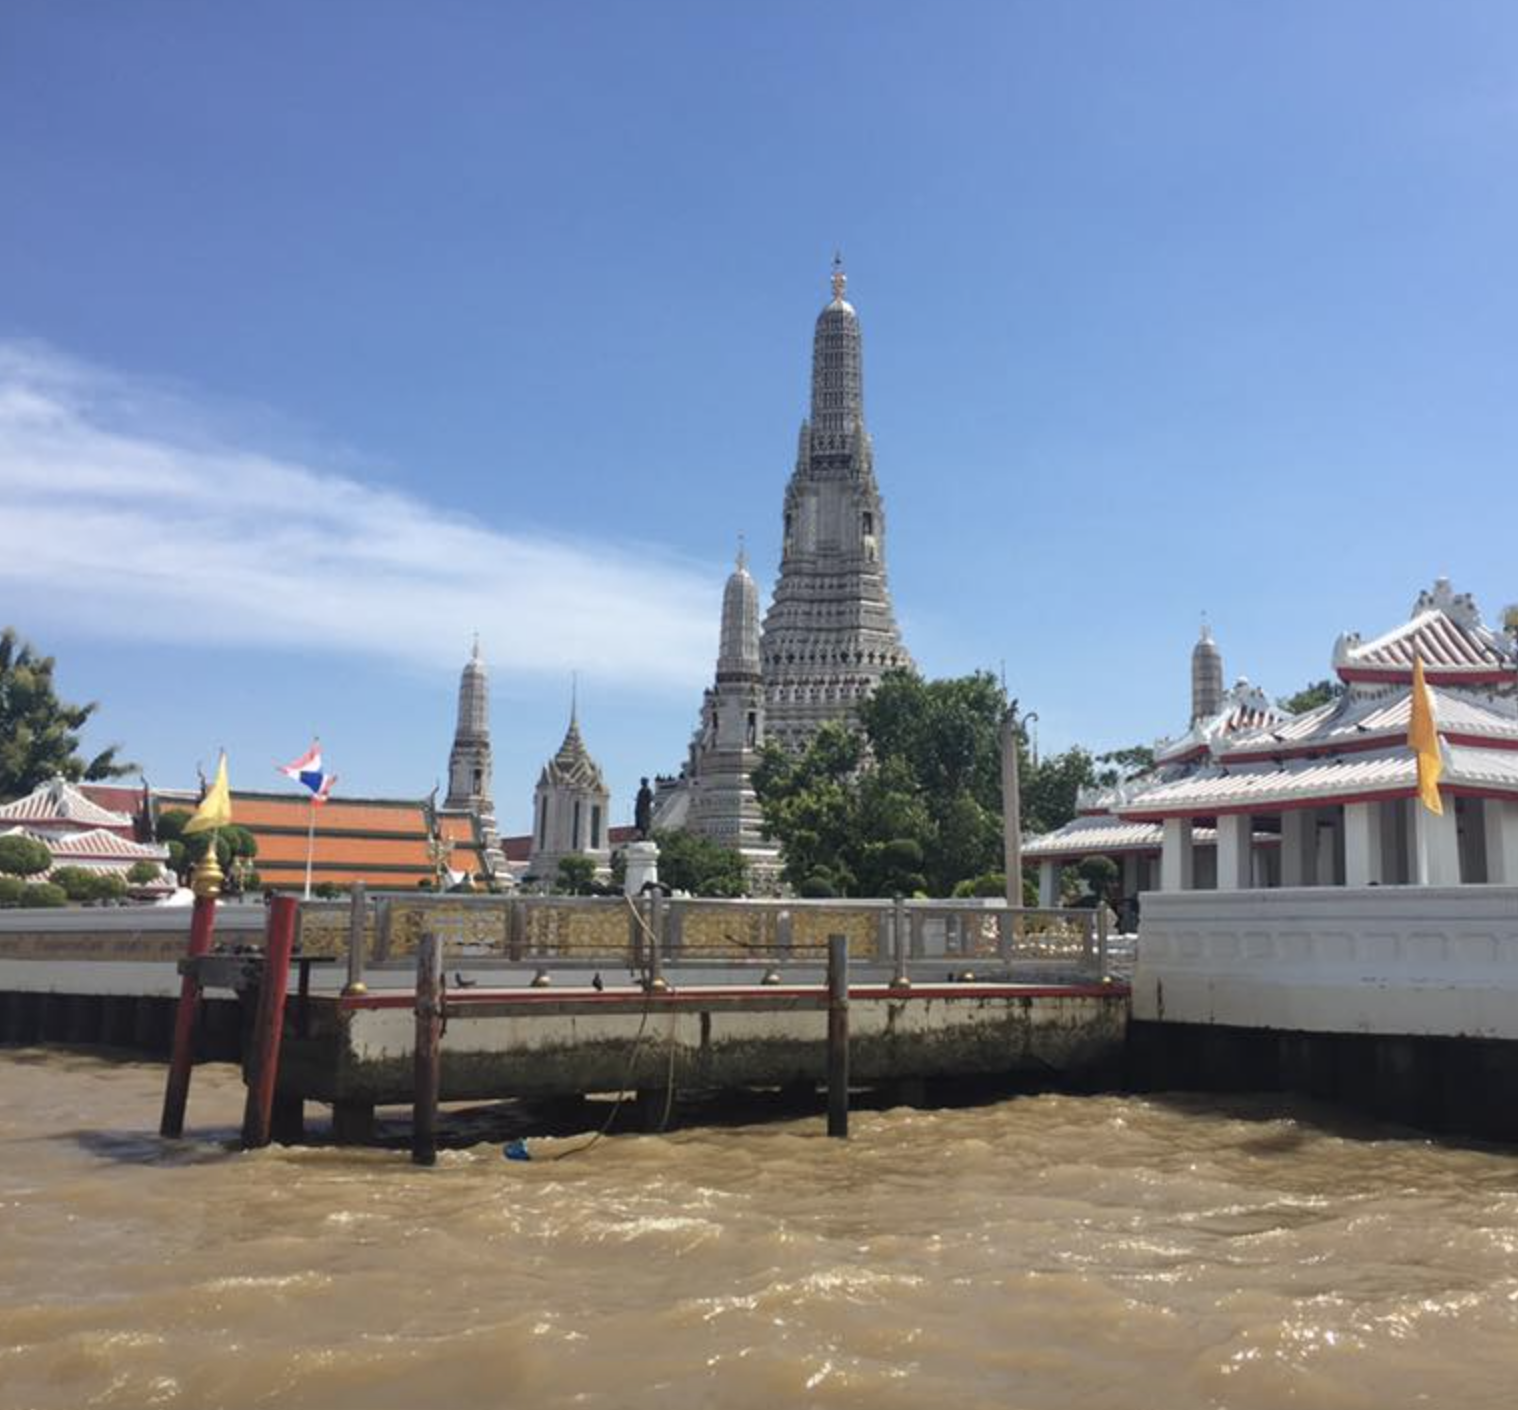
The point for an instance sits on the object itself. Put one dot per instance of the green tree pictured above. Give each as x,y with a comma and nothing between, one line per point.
577,876
236,848
39,733
23,856
143,873
1119,765
11,888
690,862
1311,696
1049,790
910,801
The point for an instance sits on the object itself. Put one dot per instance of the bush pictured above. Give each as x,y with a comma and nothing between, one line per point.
818,887
110,886
327,890
576,876
23,856
144,873
38,894
78,883
82,884
11,888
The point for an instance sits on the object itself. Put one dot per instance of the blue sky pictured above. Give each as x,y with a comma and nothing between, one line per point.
330,334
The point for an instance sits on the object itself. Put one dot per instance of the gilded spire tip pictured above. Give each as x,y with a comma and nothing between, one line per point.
840,279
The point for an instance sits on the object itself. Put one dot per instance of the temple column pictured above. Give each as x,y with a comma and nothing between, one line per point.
1177,859
1048,882
1130,874
1299,847
1436,841
1362,844
1235,852
1501,841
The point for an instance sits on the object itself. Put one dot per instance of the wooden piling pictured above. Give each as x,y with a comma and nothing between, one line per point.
269,1022
176,1093
838,1036
429,1038
358,918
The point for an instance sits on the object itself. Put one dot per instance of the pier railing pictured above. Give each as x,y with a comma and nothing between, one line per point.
653,933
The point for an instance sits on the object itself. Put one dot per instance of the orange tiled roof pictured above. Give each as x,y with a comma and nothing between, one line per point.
380,841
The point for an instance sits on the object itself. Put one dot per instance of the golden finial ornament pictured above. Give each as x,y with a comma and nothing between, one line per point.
208,875
840,279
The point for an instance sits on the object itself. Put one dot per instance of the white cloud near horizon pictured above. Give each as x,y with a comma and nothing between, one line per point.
123,514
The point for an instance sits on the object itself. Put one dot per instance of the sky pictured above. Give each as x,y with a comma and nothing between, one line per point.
331,335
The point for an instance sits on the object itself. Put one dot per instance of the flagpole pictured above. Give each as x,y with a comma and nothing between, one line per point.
310,846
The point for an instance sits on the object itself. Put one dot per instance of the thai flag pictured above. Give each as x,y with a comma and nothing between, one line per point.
308,772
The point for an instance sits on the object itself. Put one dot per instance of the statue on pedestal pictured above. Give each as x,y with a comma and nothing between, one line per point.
643,811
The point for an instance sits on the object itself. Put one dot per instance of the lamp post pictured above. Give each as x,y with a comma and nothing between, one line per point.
1011,810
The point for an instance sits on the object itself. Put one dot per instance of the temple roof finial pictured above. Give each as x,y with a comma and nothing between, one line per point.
742,555
840,279
574,699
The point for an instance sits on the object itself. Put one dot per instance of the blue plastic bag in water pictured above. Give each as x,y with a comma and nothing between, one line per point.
516,1150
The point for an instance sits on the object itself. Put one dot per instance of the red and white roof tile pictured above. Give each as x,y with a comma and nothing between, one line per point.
1311,782
59,802
1371,717
1245,709
1447,631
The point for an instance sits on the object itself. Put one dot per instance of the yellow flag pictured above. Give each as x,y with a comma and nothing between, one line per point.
215,808
1423,739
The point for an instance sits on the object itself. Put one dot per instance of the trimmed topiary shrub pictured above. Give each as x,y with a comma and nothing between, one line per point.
11,888
23,856
144,873
43,894
78,883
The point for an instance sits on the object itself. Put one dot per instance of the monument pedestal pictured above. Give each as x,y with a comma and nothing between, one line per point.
642,866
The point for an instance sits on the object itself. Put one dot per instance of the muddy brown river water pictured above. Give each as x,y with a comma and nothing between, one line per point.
1044,1251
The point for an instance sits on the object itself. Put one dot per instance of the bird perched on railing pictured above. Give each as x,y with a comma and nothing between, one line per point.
461,983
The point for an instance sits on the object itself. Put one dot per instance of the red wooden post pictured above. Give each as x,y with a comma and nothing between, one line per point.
187,1021
269,1022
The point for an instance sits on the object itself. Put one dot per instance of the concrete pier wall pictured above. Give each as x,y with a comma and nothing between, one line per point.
366,1053
1411,961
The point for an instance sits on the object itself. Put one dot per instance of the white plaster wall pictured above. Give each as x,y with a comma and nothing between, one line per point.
1381,959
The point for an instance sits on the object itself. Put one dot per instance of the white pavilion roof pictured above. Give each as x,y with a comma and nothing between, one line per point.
1446,630
58,801
1109,835
1368,714
1388,772
99,843
1245,709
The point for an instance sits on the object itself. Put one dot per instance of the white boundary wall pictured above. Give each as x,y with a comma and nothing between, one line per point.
1381,959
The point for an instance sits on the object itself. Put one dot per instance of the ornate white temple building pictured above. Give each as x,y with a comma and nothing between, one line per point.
80,831
571,809
830,632
469,765
1250,798
715,794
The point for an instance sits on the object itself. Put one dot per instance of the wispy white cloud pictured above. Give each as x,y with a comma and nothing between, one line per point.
123,508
